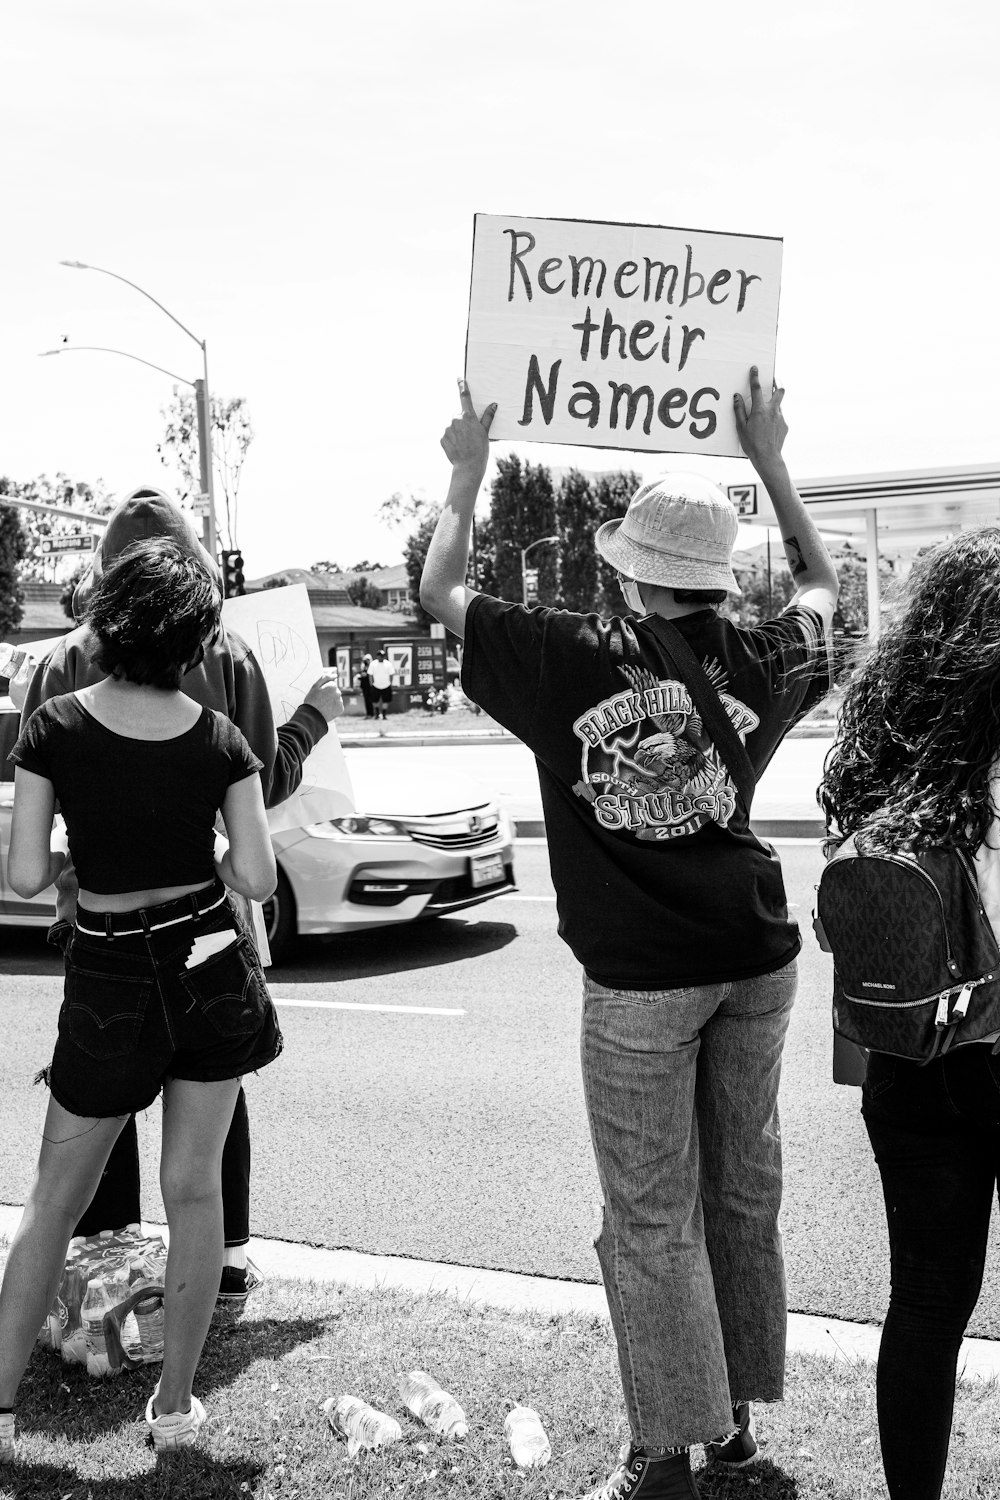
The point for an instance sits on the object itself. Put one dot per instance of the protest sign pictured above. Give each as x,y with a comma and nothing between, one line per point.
618,335
277,625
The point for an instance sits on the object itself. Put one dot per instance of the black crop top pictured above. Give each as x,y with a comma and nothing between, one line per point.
139,813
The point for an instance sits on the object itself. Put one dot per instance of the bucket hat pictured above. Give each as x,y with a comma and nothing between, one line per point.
679,531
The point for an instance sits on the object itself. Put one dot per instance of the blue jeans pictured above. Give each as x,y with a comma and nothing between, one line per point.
682,1097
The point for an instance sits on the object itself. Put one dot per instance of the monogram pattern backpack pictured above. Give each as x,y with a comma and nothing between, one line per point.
916,963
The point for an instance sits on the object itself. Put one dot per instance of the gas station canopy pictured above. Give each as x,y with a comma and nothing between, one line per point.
902,511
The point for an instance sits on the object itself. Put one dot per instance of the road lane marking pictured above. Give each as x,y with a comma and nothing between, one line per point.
404,1010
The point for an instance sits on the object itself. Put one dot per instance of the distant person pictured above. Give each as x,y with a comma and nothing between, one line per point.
365,684
381,672
676,912
164,991
227,678
916,762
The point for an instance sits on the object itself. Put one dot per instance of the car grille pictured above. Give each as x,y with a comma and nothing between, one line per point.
465,830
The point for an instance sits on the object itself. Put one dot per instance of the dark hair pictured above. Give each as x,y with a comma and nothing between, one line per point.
153,612
920,723
700,596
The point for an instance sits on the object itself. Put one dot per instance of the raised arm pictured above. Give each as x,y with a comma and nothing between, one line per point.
443,590
762,432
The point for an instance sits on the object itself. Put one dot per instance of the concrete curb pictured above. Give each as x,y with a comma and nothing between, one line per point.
831,1338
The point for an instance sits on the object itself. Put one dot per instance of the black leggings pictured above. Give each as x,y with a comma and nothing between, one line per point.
117,1201
935,1132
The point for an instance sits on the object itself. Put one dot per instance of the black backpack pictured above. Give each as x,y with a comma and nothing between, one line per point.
916,963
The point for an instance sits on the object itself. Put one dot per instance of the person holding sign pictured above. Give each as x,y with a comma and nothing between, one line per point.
676,912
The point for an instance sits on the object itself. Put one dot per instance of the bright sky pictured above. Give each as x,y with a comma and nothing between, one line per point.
296,182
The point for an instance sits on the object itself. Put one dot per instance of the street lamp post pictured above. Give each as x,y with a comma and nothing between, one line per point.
200,387
540,541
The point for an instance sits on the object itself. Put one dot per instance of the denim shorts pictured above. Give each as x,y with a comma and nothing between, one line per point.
142,1005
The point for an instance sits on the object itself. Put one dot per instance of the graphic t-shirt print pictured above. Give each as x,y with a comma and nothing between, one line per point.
648,766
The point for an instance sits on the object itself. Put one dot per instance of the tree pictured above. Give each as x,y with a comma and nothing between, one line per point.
324,567
760,599
363,593
366,567
232,435
576,522
279,581
415,554
13,547
69,589
522,509
59,491
613,492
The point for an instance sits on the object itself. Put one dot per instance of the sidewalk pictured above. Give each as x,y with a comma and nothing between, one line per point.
830,1337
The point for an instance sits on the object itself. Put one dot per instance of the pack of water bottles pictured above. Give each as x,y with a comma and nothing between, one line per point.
365,1427
108,1311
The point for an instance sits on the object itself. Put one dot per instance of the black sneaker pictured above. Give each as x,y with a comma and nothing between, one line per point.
236,1284
640,1478
741,1449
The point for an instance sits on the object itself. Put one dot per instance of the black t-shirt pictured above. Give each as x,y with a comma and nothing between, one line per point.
139,813
660,883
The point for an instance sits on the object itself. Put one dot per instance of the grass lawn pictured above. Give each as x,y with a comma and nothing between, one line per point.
262,1380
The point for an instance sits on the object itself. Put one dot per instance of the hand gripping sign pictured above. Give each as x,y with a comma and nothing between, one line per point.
619,335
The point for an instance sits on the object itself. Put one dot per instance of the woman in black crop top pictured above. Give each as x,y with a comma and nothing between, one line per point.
164,990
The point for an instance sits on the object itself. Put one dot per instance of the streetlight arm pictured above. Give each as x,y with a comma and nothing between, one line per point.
101,349
81,265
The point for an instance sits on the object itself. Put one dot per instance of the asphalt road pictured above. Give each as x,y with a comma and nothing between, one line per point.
453,1128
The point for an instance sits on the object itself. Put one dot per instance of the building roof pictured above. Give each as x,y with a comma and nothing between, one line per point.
352,617
42,610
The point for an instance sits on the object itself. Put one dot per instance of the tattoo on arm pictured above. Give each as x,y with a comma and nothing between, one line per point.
794,554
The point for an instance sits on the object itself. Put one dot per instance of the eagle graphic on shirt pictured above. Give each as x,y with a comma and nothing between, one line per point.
648,766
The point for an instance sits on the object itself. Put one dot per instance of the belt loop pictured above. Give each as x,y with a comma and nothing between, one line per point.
195,908
108,932
144,920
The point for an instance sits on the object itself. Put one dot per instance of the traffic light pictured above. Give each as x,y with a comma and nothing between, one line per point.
232,574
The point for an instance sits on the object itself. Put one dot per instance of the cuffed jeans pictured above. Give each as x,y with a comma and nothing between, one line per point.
682,1096
935,1131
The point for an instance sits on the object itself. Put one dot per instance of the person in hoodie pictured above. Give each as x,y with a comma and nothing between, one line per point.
230,681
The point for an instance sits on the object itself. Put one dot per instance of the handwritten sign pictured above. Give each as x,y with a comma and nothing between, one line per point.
618,335
277,625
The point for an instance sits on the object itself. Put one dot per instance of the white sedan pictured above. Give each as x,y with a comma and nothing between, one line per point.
418,848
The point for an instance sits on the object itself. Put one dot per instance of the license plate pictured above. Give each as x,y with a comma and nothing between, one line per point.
487,869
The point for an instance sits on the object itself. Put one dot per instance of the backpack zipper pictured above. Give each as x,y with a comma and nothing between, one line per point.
943,998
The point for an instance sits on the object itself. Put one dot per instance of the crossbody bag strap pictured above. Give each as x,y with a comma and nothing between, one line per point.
709,705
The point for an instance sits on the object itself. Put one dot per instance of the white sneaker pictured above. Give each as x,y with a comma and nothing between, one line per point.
7,1444
175,1429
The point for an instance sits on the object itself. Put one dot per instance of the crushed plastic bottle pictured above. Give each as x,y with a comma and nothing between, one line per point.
11,659
432,1405
362,1425
529,1446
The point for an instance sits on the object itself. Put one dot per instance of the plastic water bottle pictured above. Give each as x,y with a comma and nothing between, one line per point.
362,1425
149,1321
432,1405
529,1446
96,1303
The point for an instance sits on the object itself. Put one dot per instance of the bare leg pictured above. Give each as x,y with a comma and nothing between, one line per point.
196,1119
74,1152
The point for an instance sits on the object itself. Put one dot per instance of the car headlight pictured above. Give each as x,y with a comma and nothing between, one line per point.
358,827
